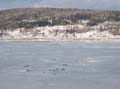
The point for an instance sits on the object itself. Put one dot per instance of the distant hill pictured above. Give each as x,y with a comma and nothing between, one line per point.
32,17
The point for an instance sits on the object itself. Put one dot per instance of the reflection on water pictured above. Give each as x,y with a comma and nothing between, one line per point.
59,65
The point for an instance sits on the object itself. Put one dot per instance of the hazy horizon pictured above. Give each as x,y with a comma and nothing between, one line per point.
80,4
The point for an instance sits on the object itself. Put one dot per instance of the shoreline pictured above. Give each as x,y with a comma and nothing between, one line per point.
61,40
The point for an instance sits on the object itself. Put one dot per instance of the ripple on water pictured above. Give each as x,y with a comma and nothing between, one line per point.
95,60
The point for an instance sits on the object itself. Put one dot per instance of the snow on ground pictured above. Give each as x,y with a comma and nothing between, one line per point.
58,32
95,34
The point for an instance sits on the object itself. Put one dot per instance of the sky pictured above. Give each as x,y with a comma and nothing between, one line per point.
82,4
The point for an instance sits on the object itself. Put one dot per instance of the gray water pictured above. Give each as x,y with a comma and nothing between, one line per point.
59,65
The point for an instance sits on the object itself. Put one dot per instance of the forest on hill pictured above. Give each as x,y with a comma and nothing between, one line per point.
37,17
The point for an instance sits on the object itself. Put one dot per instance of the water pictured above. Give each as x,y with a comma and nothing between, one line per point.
59,65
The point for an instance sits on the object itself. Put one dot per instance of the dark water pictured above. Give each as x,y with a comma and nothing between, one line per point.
59,65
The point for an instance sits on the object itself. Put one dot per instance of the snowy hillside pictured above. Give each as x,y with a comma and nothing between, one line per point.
70,32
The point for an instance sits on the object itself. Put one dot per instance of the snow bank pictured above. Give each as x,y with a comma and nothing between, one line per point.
58,32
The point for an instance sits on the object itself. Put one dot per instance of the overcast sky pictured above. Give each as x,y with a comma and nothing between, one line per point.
82,4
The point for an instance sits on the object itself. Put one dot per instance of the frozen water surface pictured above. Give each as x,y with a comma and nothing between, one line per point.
59,65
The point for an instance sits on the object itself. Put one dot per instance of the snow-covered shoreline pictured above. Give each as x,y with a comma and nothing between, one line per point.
62,40
59,33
